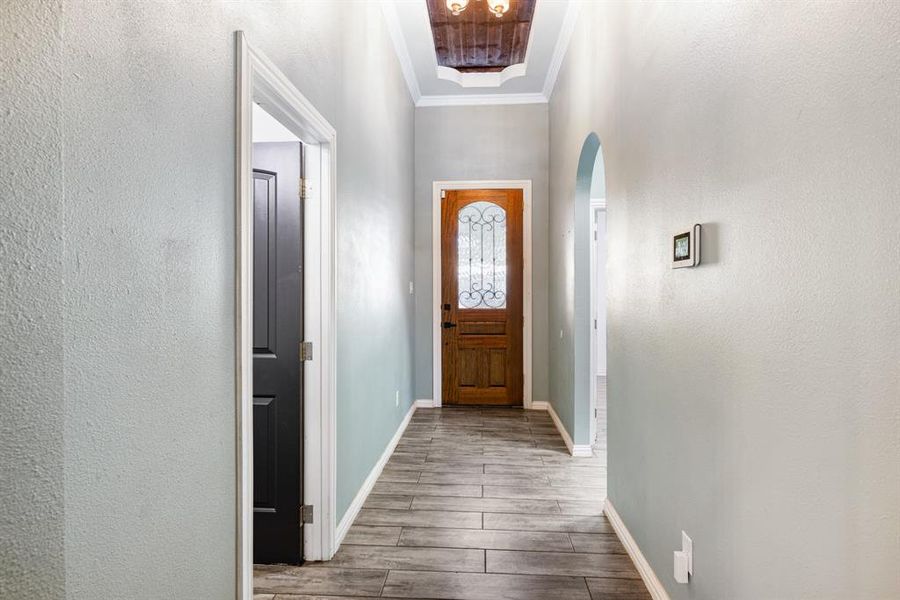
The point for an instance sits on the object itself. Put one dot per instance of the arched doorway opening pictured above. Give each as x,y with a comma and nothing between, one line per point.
590,296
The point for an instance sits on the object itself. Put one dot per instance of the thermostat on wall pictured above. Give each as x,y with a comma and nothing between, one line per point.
686,248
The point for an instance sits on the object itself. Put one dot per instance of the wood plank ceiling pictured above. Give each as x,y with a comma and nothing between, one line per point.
476,40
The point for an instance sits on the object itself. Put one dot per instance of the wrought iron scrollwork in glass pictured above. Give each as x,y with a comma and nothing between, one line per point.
481,245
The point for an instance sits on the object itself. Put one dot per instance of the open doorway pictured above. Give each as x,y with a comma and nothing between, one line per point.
284,289
277,161
598,306
590,298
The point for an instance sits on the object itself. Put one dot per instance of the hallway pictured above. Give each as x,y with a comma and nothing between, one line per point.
475,504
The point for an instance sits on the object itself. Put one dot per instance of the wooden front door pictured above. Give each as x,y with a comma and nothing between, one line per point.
481,299
277,372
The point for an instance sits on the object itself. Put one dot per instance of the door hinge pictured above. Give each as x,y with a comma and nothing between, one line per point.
305,188
306,351
443,193
307,514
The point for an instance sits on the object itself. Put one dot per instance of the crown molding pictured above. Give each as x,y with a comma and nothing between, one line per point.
562,46
481,99
389,10
482,80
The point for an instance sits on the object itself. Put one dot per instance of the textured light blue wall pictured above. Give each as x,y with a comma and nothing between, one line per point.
492,142
598,178
570,307
126,178
589,178
375,249
753,401
32,328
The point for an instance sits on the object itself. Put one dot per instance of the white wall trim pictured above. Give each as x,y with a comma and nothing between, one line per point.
654,585
562,46
369,483
389,10
540,405
425,403
561,428
580,450
525,186
481,99
259,80
597,204
482,80
392,21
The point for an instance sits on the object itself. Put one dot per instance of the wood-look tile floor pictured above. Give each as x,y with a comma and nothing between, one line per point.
474,504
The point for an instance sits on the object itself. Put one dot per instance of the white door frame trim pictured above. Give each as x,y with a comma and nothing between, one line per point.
525,186
597,204
259,80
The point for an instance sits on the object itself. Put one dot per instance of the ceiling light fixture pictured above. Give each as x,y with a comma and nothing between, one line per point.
497,7
457,6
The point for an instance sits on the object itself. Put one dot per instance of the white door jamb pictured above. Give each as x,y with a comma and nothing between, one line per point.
597,205
259,80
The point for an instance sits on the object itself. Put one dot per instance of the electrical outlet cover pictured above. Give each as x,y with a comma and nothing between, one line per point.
681,567
687,546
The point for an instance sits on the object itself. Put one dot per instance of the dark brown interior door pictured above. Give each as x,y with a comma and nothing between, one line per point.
277,372
481,299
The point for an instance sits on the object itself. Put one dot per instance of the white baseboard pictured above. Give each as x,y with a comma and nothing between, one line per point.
561,428
582,451
578,450
654,585
425,403
540,405
369,483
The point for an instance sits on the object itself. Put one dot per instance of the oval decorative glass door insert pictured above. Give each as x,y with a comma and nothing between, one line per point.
481,244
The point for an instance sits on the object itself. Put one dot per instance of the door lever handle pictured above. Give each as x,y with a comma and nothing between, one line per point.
448,324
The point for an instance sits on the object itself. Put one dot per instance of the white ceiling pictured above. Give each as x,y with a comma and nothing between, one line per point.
267,128
410,30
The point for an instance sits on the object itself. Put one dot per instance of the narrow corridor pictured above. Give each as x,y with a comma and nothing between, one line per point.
475,504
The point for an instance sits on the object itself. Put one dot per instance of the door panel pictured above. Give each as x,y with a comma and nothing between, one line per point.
277,372
497,368
481,297
265,276
265,435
